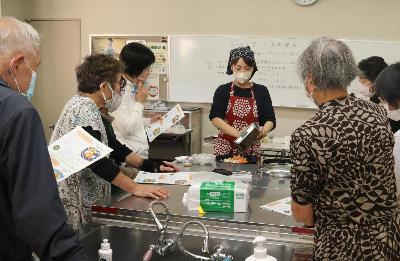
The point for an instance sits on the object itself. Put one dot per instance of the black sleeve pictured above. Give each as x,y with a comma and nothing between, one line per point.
37,210
104,167
220,102
120,151
264,105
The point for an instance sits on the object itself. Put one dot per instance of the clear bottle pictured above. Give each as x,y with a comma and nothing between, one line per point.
260,250
105,252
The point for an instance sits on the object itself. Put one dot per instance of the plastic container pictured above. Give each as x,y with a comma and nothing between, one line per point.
105,251
230,195
260,251
203,159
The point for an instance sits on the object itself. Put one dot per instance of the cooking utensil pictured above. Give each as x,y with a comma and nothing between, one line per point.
248,137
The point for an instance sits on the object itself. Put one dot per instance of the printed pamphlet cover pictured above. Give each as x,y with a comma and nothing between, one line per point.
169,119
173,178
75,151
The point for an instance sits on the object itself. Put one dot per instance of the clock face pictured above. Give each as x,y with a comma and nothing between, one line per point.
305,2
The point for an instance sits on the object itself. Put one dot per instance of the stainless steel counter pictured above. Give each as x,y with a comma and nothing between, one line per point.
132,212
263,189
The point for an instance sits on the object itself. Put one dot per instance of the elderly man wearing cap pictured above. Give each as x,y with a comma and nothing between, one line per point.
31,213
239,103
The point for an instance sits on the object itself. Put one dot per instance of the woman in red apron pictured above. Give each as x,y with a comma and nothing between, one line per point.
240,103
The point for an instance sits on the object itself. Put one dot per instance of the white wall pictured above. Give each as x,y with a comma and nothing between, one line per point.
15,8
355,19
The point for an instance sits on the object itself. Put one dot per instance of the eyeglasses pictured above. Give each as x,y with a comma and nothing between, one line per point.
122,84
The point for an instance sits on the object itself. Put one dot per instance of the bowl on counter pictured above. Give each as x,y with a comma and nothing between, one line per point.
187,161
182,159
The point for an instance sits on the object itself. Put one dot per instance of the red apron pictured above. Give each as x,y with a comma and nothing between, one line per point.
240,113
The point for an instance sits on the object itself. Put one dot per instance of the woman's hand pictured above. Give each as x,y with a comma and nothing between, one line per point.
268,126
150,191
263,132
169,167
142,93
155,118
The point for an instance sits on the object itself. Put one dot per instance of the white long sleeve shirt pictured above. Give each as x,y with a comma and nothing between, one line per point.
129,125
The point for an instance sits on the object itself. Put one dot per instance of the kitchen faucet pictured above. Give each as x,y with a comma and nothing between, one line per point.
166,246
220,252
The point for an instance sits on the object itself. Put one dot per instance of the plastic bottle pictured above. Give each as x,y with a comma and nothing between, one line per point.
105,252
260,251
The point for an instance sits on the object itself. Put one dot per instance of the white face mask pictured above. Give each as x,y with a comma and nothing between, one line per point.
242,77
393,115
116,99
364,91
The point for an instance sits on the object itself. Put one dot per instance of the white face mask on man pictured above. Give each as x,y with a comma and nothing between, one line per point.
115,101
242,77
394,114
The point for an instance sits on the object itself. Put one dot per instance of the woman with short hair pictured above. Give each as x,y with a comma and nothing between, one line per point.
342,178
100,85
128,122
370,68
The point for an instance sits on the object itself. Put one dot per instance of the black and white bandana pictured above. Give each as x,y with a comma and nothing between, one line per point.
240,52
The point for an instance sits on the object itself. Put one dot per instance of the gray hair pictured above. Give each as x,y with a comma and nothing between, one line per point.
17,36
329,63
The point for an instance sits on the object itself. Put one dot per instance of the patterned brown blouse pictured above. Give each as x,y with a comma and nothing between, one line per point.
343,164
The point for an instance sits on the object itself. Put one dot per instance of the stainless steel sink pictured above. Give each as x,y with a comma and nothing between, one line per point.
277,170
130,244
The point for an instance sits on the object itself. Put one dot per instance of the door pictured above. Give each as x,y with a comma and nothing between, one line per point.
60,52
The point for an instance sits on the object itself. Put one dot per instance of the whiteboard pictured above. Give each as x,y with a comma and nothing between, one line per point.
198,65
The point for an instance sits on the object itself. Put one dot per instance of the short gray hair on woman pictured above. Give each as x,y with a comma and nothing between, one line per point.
17,36
329,63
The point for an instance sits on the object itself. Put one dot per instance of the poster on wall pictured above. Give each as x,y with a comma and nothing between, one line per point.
108,45
153,87
161,54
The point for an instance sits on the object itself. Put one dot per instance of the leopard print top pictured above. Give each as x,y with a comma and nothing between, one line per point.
343,164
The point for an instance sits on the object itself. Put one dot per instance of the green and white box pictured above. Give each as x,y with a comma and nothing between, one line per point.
218,196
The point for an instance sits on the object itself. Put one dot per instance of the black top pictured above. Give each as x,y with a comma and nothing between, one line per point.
394,125
106,168
375,99
32,217
261,94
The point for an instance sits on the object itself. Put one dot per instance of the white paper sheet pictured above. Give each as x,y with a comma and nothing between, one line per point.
282,206
75,151
169,119
176,178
